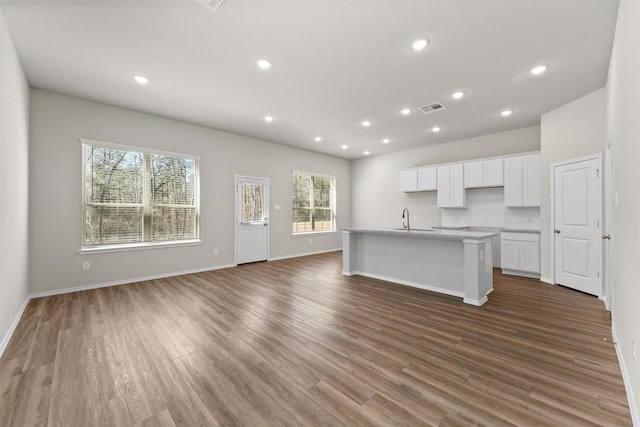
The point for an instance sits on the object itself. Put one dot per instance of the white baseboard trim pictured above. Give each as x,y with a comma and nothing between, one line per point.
547,280
125,281
278,258
635,415
14,325
412,284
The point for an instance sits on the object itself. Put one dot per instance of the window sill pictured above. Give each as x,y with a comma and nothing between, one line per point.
138,246
306,233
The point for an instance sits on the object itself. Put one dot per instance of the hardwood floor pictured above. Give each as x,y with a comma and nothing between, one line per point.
294,342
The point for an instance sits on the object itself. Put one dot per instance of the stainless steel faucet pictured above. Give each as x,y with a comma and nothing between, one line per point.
405,214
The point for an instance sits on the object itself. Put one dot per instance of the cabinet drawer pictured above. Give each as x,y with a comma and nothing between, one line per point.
522,237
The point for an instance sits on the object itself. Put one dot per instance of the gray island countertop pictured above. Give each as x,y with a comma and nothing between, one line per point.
423,233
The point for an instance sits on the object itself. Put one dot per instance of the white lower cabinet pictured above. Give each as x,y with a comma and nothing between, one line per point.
520,254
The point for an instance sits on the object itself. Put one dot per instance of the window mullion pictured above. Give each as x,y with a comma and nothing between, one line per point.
146,198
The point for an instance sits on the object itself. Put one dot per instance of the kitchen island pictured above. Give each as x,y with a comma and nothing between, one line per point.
452,262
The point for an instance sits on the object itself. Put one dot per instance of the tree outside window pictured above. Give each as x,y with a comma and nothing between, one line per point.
313,203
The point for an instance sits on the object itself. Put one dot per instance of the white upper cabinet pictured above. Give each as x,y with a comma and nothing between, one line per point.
450,182
474,174
483,173
531,180
493,172
522,181
427,179
409,180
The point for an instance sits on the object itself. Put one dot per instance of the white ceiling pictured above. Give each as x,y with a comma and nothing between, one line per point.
336,63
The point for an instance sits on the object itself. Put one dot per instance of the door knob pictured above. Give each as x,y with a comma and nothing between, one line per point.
606,236
556,231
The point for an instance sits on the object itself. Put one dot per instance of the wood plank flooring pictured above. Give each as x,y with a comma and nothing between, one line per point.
294,342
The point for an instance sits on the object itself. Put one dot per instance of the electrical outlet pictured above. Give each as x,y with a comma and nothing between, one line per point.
276,208
617,201
86,266
415,217
310,241
215,251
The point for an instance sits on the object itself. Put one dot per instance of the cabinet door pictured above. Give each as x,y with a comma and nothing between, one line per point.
427,179
492,173
531,180
510,254
513,181
444,186
474,174
457,186
530,256
409,180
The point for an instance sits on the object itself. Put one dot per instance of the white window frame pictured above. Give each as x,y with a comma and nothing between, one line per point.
120,247
333,204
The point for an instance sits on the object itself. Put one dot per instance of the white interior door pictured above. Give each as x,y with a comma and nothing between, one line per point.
577,225
252,219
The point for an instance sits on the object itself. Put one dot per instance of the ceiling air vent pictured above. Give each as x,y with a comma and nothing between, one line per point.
436,106
212,4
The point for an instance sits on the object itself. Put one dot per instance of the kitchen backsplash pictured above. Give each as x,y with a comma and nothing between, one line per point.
485,208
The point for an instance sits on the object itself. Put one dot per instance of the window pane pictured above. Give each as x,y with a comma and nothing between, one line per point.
173,223
301,190
106,225
301,219
172,180
323,219
322,191
112,176
252,202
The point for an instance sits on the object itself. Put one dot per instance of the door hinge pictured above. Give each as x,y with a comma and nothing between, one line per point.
598,274
597,173
598,223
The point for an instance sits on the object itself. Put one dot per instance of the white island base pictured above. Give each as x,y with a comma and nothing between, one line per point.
445,261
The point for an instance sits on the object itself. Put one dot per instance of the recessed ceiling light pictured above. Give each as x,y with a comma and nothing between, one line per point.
457,95
141,79
420,44
539,69
386,141
317,139
344,147
405,111
366,153
264,64
436,129
507,113
268,118
366,123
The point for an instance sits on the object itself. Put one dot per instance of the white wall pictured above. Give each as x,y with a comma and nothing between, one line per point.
574,130
57,124
14,184
623,128
377,199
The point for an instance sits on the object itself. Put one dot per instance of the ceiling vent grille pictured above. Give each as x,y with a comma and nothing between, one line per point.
436,106
212,4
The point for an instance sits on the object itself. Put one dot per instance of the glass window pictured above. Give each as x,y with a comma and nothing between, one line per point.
134,196
313,203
